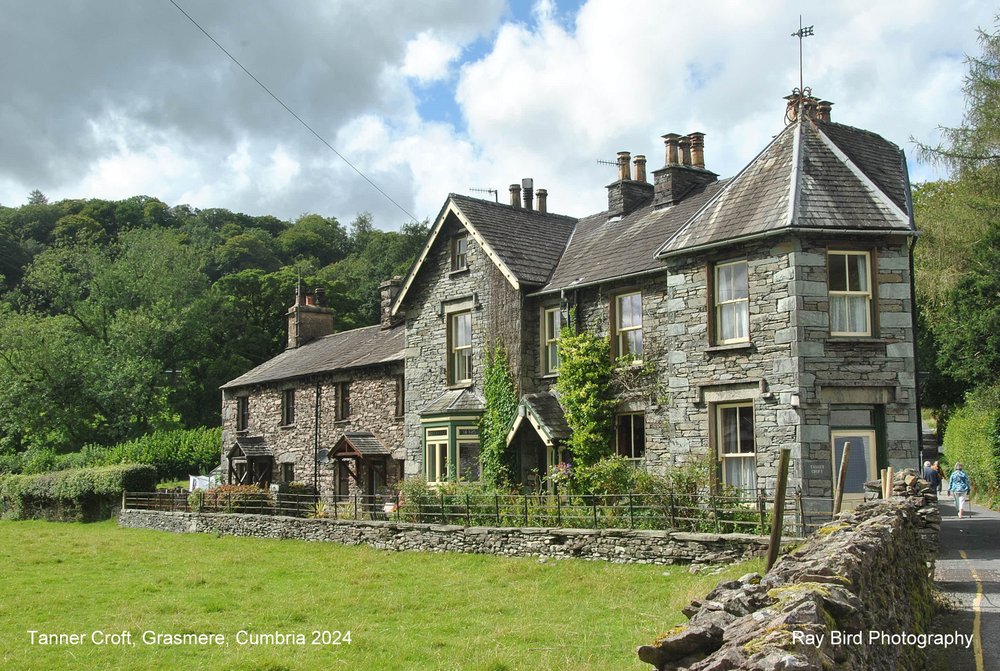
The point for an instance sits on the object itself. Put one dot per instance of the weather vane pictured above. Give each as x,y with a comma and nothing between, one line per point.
801,33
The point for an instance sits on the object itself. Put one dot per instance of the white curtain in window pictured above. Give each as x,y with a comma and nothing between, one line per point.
741,473
849,314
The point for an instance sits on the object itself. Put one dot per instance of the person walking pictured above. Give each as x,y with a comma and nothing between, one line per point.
932,476
959,485
940,474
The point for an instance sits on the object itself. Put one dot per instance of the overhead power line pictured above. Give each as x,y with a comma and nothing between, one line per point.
292,112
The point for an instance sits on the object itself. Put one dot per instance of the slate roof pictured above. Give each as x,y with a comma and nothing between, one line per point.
357,348
601,249
527,241
455,400
251,446
545,412
363,442
802,180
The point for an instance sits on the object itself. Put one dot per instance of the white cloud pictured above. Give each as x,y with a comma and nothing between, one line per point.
428,58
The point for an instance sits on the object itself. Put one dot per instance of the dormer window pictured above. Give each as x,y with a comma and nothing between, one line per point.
459,252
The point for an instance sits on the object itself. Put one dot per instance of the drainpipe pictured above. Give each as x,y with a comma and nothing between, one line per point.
316,444
913,318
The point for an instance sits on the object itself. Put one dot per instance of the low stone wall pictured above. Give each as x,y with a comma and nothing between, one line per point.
614,545
852,597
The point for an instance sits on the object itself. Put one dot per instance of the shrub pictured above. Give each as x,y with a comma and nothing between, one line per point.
585,393
79,494
973,438
238,499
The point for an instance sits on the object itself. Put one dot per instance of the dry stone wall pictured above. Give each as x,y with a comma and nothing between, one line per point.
621,546
867,573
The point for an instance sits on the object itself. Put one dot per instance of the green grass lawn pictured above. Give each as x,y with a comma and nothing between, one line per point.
404,610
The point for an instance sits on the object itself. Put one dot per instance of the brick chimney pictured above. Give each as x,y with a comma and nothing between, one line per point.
308,318
627,194
810,106
388,291
684,169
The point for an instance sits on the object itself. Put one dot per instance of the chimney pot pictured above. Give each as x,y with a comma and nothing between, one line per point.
624,171
823,110
697,141
528,185
684,148
640,168
543,195
515,195
670,140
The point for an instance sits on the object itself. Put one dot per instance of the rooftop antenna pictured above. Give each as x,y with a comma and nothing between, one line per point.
801,33
611,163
474,189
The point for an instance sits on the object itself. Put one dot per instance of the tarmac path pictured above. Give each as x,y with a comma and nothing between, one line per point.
968,572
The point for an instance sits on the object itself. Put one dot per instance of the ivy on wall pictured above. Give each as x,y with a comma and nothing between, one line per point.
585,393
501,405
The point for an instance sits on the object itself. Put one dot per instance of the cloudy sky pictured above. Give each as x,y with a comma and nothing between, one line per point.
114,99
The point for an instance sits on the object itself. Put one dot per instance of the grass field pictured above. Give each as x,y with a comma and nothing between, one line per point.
403,610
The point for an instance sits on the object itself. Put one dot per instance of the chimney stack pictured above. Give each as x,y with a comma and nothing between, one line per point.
308,318
684,170
542,198
388,291
627,194
528,185
640,168
515,195
823,110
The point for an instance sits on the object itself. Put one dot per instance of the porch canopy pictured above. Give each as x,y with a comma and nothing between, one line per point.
543,413
359,445
251,461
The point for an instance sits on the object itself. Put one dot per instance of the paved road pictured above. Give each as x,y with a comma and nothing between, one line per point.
968,571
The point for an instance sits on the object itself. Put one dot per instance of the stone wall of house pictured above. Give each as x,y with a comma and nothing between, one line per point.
436,292
614,545
827,604
792,371
372,401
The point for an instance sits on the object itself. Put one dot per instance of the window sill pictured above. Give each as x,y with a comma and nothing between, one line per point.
550,376
285,427
458,271
345,420
858,340
730,347
461,385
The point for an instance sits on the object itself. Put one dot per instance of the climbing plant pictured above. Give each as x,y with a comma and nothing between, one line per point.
585,393
501,404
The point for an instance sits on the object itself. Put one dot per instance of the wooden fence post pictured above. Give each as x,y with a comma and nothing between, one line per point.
777,516
841,477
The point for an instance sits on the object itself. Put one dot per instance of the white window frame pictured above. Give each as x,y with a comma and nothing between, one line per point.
848,293
550,340
436,440
720,440
735,303
457,353
621,331
460,252
632,455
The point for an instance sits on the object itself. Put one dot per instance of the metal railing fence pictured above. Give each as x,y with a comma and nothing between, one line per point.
701,511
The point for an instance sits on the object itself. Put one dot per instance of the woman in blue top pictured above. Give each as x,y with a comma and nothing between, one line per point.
959,486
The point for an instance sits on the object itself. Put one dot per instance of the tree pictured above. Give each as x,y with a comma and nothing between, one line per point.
956,259
36,197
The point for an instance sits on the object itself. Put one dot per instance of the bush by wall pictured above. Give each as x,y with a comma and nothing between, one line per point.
973,438
73,495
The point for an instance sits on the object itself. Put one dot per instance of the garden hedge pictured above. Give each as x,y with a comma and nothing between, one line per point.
74,495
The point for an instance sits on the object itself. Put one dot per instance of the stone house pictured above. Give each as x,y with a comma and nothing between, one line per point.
775,309
326,412
772,309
